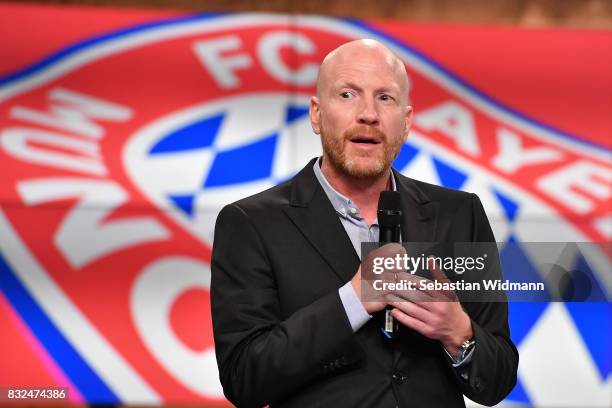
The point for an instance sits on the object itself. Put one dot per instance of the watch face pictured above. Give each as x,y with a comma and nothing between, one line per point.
466,347
468,343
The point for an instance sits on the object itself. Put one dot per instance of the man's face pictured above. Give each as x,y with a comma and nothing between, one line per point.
361,112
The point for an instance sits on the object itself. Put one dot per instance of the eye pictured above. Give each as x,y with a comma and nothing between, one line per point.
346,94
385,97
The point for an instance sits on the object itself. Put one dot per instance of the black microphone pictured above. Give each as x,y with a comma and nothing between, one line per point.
389,216
389,223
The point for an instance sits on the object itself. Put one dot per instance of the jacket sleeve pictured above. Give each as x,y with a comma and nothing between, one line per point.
493,369
262,358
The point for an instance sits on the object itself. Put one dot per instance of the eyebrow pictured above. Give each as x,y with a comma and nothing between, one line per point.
352,85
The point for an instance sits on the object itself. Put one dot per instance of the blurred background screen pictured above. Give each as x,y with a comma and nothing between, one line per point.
125,126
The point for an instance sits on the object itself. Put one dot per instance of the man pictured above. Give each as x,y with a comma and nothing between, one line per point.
290,326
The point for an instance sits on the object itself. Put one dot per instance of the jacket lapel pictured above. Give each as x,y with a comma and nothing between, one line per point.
420,214
313,214
420,219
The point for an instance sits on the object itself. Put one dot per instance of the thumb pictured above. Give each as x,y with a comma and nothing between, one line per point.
436,272
439,275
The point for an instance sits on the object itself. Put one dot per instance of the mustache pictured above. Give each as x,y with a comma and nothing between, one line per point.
365,131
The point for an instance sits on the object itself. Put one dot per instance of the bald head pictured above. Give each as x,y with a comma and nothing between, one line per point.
361,111
365,51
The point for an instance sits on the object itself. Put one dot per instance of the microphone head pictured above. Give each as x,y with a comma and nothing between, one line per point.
389,209
389,200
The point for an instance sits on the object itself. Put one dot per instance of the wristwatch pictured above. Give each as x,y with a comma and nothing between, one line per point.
465,349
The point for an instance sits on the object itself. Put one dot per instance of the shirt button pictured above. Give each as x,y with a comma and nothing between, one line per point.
353,210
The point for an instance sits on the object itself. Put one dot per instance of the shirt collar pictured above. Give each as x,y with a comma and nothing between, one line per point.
343,206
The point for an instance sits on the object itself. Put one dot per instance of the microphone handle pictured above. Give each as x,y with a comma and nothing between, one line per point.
388,234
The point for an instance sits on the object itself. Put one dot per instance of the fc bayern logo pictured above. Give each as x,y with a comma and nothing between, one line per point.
130,144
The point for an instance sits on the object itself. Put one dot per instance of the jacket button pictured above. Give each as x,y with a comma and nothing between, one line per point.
398,377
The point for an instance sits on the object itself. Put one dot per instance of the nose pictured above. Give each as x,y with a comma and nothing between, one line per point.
367,115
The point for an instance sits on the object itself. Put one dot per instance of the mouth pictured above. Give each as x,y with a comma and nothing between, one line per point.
365,140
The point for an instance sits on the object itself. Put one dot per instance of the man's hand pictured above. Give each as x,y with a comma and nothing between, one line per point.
436,314
370,307
373,300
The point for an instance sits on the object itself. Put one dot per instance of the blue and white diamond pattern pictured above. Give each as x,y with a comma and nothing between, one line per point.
195,161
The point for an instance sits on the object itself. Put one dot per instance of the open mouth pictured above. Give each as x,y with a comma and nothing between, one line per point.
365,140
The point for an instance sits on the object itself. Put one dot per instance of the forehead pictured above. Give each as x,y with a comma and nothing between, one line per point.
363,74
364,67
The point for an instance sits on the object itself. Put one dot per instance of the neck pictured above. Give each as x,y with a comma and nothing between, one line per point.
364,192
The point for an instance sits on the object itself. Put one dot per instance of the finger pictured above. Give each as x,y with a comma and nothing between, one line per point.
369,293
436,272
392,251
412,295
414,310
421,285
391,248
439,276
410,322
382,261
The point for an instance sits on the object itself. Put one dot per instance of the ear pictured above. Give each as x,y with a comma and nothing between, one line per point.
409,115
315,115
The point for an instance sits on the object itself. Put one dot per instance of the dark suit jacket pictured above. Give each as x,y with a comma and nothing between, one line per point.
282,336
